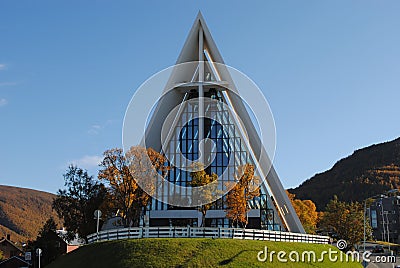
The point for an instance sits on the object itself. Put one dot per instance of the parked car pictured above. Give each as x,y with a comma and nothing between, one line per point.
378,249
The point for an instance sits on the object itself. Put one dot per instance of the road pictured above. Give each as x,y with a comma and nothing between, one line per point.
374,264
377,257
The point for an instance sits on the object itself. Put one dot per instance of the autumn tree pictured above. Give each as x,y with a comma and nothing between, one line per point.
307,213
238,198
236,206
346,220
122,173
206,194
76,204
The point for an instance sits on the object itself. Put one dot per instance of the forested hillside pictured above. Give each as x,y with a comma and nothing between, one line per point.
23,212
367,172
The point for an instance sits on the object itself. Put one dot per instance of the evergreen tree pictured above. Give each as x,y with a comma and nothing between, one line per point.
48,241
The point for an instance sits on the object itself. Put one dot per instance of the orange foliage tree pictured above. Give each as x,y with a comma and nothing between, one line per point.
245,189
122,171
307,213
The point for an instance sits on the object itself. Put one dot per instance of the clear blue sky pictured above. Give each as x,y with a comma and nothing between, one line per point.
329,69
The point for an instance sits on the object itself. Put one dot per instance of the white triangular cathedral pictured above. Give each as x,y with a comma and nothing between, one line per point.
200,73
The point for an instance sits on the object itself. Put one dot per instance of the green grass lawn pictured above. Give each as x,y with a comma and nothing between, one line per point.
189,252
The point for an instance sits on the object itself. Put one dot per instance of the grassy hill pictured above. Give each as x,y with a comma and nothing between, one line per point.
367,172
23,212
187,252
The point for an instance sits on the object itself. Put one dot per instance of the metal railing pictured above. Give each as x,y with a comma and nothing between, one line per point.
204,232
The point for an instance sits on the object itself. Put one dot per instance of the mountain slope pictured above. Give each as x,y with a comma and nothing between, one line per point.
367,172
23,212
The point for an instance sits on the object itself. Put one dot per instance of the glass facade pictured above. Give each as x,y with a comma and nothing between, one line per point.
228,152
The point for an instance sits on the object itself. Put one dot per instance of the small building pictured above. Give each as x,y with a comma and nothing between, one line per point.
14,262
9,248
67,246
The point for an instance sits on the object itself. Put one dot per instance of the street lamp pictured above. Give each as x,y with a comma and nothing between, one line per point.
97,215
39,253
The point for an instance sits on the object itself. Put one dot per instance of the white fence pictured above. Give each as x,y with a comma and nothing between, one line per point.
206,232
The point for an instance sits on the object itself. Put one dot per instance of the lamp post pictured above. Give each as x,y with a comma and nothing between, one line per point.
39,253
97,215
365,211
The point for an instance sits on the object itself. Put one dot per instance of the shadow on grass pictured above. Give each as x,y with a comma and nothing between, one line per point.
231,259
